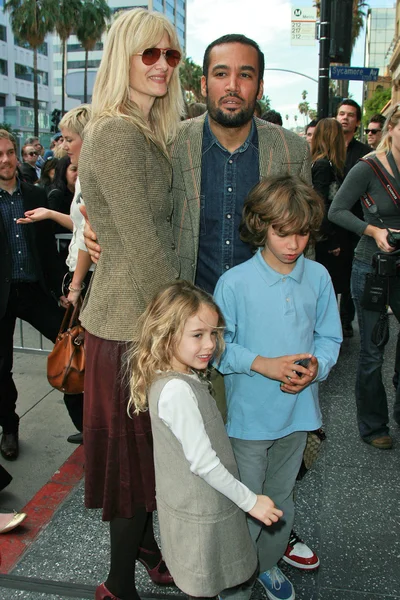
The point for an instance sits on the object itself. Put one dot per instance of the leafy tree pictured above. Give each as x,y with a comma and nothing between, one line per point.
93,18
8,127
190,75
375,104
31,21
67,16
265,104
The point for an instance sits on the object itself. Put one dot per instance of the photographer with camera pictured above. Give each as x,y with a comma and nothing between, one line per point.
375,279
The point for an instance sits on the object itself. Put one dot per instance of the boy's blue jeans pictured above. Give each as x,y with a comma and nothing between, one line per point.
269,467
372,408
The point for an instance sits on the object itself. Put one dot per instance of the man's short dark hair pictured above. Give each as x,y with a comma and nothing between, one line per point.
377,119
312,123
234,38
272,116
349,102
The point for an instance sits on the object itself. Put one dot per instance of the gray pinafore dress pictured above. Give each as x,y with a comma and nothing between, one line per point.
204,536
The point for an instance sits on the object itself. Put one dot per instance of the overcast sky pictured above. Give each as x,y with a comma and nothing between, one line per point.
268,23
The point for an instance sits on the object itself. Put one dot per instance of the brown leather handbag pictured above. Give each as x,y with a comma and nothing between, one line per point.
66,362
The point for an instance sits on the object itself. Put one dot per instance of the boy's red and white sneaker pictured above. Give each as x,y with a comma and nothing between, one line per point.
299,555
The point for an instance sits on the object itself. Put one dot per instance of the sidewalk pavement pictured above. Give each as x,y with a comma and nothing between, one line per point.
348,510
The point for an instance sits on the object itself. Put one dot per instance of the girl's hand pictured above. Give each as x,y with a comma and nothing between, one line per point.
295,386
265,510
32,216
335,252
281,368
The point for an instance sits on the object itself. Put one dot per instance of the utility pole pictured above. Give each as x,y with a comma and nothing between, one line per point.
324,49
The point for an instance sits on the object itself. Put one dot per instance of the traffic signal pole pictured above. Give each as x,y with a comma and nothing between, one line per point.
324,48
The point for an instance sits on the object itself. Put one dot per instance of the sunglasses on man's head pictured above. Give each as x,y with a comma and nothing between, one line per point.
373,131
151,55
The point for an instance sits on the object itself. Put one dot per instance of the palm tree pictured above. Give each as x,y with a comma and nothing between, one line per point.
67,16
31,21
92,24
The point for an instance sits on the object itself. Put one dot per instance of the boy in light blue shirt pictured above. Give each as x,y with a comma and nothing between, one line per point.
277,304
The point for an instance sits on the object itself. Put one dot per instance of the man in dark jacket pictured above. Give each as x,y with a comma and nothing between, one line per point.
30,280
27,168
349,116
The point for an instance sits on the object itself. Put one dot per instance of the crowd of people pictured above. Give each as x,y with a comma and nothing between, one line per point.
198,251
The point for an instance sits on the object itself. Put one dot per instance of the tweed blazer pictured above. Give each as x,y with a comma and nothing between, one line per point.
280,152
126,184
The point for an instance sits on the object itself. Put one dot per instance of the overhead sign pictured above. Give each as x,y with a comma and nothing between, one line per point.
354,73
303,25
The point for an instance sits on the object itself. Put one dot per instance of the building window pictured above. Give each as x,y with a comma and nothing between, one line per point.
157,5
2,100
80,64
3,33
41,49
170,9
28,103
3,67
26,73
78,47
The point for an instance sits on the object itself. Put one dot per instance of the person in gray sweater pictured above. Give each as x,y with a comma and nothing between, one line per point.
381,215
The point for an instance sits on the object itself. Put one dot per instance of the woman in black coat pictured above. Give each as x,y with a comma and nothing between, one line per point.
328,155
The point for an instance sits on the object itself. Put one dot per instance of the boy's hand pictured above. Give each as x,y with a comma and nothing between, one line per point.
265,511
295,385
90,238
282,367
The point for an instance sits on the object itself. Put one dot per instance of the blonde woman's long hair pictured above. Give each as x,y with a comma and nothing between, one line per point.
392,120
160,331
328,142
132,32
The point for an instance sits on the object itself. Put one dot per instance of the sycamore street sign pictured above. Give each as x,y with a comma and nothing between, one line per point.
354,73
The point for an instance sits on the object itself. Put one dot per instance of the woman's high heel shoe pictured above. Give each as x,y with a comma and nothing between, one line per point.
102,593
158,574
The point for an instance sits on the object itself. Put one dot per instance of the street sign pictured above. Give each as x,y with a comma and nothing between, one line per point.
303,26
354,73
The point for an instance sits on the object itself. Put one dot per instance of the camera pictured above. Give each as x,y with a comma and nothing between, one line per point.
393,239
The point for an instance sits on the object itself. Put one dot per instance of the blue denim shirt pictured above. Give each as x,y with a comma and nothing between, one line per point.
226,179
11,209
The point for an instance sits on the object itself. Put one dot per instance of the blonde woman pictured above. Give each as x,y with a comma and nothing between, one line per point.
384,215
126,175
328,155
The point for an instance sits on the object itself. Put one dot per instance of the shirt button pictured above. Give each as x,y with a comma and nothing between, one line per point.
168,219
230,161
283,278
226,267
14,219
229,189
287,299
173,246
19,251
227,242
17,235
228,216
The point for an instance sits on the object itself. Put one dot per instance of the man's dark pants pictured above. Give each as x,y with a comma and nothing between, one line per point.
30,303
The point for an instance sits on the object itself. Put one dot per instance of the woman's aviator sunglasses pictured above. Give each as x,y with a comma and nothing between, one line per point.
151,55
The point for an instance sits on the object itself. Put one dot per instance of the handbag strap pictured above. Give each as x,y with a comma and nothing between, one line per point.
384,180
70,317
75,314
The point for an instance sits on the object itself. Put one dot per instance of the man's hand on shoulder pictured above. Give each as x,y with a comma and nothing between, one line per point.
90,238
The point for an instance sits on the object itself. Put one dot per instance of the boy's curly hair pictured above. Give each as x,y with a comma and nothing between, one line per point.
286,203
